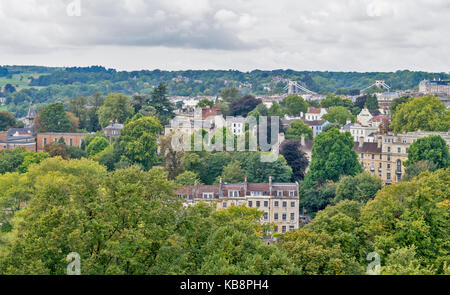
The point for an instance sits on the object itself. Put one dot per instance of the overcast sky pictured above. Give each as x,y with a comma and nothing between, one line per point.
335,35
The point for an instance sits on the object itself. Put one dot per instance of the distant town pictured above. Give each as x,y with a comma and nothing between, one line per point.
328,149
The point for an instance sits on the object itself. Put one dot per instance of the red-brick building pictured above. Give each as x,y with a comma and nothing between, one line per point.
70,139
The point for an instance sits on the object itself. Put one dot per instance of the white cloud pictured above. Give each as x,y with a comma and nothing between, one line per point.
363,35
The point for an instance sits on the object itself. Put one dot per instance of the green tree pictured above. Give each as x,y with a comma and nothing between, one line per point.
338,115
32,158
160,102
172,157
53,118
116,107
412,170
55,149
97,145
398,101
425,113
232,173
315,253
404,261
317,197
342,223
361,187
243,106
138,140
7,121
297,129
259,171
230,94
295,105
335,101
432,148
295,158
205,102
187,178
332,156
117,222
372,102
412,213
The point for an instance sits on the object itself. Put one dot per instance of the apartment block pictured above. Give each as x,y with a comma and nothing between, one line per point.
279,202
385,157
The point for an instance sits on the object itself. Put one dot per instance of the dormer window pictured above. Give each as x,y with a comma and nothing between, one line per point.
208,195
291,193
279,193
233,193
255,193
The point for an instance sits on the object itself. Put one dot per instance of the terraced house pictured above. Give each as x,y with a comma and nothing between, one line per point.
279,202
385,158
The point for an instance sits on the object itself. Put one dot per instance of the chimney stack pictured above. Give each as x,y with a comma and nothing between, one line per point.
361,141
270,185
245,185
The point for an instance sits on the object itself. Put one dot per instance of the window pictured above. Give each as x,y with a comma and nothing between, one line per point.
266,216
381,165
381,157
399,150
279,193
276,203
399,165
233,193
284,216
292,216
389,149
283,228
275,229
292,204
388,176
291,193
71,142
373,156
45,141
55,139
208,195
291,227
224,204
362,155
388,157
266,203
250,203
253,193
258,204
275,216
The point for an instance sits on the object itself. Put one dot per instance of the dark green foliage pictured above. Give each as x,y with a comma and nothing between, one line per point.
332,156
317,197
7,121
295,158
361,187
243,106
53,118
432,148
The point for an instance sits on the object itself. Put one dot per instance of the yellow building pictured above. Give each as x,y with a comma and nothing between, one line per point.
279,202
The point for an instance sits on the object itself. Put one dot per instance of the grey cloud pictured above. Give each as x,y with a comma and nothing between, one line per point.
299,34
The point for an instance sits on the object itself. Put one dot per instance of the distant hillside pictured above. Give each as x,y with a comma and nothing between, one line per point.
44,84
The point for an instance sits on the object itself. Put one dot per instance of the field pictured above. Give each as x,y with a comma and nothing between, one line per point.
19,81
